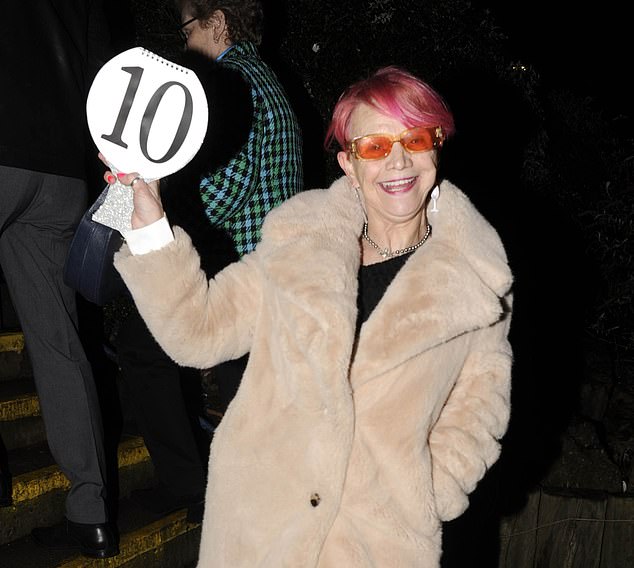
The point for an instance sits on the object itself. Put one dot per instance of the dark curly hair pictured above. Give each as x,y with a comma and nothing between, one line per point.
244,17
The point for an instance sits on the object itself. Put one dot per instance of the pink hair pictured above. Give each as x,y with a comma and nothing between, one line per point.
393,92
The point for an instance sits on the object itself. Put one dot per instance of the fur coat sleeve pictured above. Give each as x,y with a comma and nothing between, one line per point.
198,322
464,442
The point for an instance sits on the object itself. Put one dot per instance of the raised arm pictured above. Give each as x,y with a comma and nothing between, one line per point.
197,322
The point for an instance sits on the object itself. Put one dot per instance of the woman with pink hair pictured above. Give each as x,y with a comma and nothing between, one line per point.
376,313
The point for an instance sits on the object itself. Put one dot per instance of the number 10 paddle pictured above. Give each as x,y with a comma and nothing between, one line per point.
147,115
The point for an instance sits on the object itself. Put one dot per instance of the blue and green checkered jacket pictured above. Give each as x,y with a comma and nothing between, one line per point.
268,168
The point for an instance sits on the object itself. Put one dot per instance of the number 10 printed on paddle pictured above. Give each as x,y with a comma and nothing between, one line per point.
147,115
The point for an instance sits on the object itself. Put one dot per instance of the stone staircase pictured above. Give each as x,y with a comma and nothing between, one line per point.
39,487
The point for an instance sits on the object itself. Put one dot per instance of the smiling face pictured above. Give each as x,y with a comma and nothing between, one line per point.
394,188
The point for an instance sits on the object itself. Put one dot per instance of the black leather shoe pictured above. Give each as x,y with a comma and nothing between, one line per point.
94,540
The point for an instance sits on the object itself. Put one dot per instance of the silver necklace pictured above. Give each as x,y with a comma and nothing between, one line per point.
386,252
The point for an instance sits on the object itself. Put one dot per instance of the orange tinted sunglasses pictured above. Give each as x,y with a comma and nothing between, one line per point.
378,146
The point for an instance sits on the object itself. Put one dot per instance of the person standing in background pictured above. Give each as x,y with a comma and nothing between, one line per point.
49,52
268,168
250,162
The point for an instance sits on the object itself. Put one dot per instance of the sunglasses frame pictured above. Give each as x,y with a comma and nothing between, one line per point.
181,29
436,132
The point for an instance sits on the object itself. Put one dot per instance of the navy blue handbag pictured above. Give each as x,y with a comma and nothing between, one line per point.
89,267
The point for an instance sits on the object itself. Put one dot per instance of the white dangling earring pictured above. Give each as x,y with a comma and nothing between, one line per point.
365,215
434,200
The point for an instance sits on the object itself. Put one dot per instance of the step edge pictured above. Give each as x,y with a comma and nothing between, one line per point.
20,406
141,541
32,485
11,341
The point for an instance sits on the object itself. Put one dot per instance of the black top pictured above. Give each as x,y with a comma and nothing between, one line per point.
373,281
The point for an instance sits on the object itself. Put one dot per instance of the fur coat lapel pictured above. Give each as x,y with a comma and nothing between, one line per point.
451,285
448,287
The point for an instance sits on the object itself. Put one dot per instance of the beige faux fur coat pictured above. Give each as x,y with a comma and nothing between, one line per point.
334,454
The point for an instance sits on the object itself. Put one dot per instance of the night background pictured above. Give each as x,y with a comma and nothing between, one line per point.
545,149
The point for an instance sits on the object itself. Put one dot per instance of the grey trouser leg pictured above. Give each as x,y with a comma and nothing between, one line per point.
38,215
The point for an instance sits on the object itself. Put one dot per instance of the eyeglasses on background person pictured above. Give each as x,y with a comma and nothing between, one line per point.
182,29
378,146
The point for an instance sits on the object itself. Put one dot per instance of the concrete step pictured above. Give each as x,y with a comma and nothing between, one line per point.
39,487
39,491
11,341
21,423
145,542
14,361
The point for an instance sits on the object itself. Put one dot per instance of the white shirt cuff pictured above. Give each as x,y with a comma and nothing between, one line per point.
151,237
